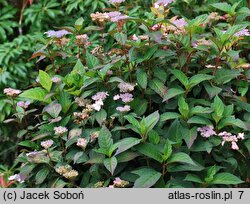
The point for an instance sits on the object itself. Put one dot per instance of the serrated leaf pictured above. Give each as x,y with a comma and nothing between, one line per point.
126,144
193,178
226,178
105,140
180,157
169,116
171,93
37,94
158,86
41,175
53,109
181,77
198,78
150,150
45,80
142,79
110,164
148,177
92,61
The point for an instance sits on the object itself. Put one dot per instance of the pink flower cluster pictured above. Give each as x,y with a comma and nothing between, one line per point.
125,97
47,144
126,87
60,130
125,108
23,104
208,131
116,1
116,16
164,3
17,177
57,34
244,32
12,92
229,137
99,98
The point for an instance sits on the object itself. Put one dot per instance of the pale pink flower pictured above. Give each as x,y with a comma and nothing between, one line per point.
126,108
60,130
97,105
126,97
135,38
47,144
234,146
100,96
116,16
162,2
82,142
241,136
126,87
116,97
23,104
57,34
12,92
206,131
56,79
244,32
117,181
17,177
116,1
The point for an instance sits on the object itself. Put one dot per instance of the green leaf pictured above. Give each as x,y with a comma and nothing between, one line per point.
92,61
79,23
231,121
181,77
126,144
180,157
142,79
171,93
126,156
148,177
167,150
169,116
189,135
193,178
41,175
158,86
222,6
212,90
226,178
151,120
198,78
150,150
105,140
218,109
135,123
200,110
223,76
121,38
110,164
183,107
139,106
37,94
174,132
101,116
153,137
45,80
53,109
199,120
78,68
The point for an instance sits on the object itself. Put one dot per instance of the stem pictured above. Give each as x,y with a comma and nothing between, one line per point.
216,65
24,4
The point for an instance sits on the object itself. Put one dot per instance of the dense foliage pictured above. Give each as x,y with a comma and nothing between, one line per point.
130,94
